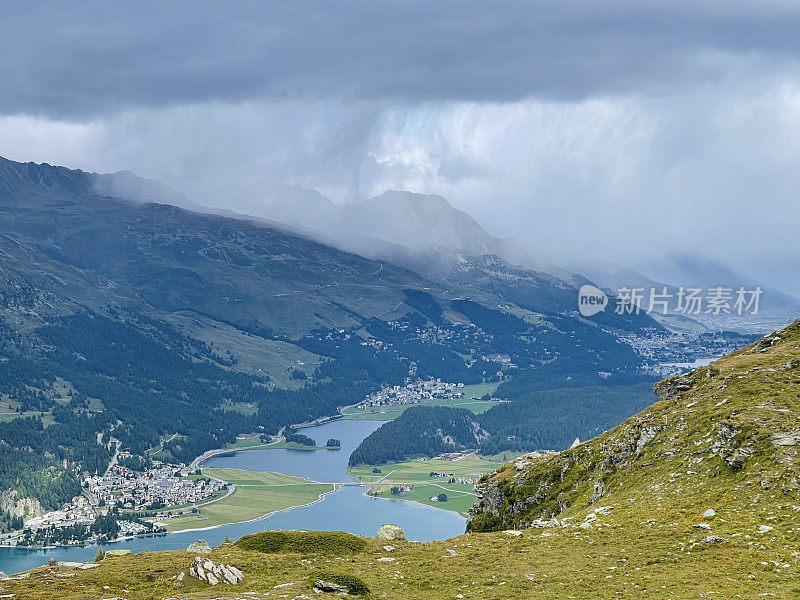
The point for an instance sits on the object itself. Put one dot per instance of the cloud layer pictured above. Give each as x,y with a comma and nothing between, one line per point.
604,129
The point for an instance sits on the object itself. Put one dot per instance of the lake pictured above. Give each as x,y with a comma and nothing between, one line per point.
348,509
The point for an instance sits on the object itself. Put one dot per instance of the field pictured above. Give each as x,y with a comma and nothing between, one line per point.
254,354
388,413
256,495
460,497
255,444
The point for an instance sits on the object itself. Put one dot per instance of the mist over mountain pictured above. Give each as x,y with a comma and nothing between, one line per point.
430,235
422,224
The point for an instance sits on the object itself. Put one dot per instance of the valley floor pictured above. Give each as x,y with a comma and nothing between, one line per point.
255,495
420,486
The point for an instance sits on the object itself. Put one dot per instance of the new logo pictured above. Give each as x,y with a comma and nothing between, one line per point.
591,300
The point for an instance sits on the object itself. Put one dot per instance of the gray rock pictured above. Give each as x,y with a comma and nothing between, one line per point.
710,513
736,460
788,438
599,491
512,533
767,343
703,526
713,539
206,570
199,547
390,532
329,587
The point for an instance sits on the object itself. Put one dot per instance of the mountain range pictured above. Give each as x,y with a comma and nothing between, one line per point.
142,321
427,233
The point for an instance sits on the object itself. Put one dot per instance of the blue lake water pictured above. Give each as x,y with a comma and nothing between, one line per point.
348,509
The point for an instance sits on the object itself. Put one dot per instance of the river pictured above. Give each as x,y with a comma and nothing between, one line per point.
347,509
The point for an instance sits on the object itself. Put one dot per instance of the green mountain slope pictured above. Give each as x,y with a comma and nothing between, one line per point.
724,437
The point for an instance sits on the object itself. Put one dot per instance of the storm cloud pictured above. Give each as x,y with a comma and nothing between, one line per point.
579,127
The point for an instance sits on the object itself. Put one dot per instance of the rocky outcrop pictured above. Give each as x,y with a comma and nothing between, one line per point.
17,506
213,574
729,448
672,388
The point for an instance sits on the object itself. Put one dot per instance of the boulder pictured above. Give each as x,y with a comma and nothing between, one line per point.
710,513
329,587
512,533
65,565
199,547
212,573
713,539
390,532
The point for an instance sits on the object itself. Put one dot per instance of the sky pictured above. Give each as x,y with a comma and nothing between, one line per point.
614,130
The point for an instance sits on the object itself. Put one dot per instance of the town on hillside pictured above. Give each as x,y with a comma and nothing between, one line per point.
122,502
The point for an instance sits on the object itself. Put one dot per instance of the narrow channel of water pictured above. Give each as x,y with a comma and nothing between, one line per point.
348,509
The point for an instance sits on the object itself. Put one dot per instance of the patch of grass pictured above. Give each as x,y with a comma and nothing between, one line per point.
243,408
354,585
254,354
303,542
256,495
413,471
460,497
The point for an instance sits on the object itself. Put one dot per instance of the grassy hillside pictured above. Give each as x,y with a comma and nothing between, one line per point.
723,431
724,438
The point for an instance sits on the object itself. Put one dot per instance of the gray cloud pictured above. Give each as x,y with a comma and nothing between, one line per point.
614,129
89,58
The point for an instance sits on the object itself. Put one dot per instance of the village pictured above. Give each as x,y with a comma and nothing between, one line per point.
414,393
128,502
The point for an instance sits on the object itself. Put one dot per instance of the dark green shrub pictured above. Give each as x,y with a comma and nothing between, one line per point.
303,542
484,522
355,586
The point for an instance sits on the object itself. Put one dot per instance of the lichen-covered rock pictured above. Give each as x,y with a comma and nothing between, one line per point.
212,573
390,532
199,547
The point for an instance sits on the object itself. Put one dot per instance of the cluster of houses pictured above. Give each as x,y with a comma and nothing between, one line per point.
80,512
414,393
157,487
452,478
450,456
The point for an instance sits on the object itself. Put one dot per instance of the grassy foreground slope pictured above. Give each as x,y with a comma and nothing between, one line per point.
633,510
